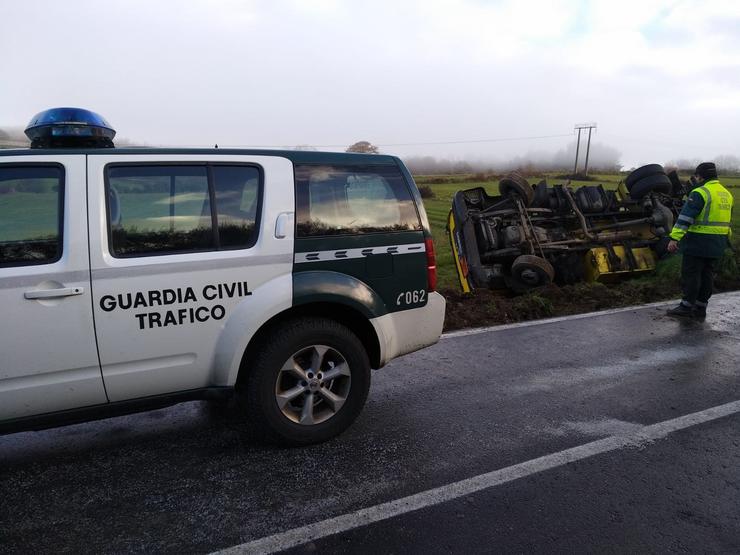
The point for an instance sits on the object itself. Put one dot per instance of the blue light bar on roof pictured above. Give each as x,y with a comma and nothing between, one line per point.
69,127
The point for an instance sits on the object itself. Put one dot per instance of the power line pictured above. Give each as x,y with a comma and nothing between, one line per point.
660,142
429,143
499,140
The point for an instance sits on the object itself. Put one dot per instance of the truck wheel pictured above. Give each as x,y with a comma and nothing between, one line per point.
659,183
528,272
308,382
515,183
641,173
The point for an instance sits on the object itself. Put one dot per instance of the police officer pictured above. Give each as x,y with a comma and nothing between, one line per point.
702,230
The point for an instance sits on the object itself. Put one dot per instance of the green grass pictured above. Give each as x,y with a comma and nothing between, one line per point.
150,211
28,215
33,215
439,207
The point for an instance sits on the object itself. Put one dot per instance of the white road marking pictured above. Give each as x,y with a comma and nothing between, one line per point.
475,331
449,492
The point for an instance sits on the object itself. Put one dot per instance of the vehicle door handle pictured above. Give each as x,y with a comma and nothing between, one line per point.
53,293
283,225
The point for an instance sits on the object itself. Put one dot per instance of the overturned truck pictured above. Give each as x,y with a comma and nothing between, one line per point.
527,237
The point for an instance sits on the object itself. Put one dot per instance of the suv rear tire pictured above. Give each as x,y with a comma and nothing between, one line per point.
308,383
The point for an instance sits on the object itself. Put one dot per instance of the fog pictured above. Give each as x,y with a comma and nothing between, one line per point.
491,83
13,137
601,158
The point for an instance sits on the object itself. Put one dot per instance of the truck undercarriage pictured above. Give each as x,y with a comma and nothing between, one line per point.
528,237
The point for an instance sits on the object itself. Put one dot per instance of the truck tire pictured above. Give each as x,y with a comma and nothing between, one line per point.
308,383
643,172
659,183
528,272
515,183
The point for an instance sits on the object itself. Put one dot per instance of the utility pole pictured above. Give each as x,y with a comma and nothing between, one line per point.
578,127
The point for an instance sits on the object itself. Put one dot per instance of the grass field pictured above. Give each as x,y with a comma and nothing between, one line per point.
26,214
439,207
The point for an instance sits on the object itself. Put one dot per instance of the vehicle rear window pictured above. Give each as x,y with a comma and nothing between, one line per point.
339,200
167,209
31,207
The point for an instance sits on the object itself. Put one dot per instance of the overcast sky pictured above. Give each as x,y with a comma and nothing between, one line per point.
660,78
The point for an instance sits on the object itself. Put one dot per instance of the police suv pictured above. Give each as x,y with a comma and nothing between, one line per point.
133,279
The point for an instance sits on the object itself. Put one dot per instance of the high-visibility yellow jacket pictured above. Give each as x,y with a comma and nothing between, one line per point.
704,222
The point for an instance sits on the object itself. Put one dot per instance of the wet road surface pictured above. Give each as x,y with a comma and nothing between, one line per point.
185,479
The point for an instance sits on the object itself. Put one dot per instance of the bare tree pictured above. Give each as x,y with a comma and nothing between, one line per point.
683,164
364,147
727,163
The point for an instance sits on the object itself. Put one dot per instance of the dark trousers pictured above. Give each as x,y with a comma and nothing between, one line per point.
697,278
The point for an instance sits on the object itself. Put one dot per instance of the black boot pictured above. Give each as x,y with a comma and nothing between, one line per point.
700,311
682,310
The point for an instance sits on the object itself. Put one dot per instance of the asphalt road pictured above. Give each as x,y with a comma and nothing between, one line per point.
572,433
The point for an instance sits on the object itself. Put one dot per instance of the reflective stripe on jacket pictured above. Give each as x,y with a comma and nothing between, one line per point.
714,217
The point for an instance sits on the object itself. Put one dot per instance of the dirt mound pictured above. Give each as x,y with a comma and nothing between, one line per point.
486,308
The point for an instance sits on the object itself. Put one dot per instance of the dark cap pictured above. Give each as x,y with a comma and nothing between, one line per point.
706,170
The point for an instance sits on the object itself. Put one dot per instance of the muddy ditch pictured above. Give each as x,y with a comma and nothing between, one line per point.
487,308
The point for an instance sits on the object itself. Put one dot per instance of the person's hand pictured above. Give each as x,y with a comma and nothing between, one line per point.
672,246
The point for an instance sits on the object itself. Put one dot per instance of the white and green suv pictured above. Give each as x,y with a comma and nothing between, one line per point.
133,279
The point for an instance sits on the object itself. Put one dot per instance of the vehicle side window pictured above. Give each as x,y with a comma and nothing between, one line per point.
338,200
237,202
178,209
31,207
